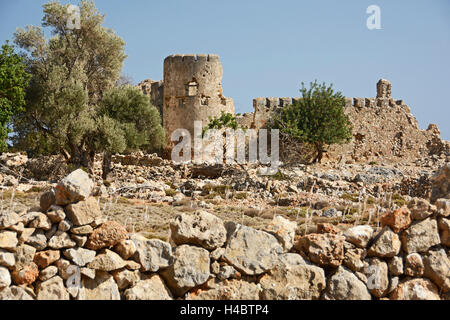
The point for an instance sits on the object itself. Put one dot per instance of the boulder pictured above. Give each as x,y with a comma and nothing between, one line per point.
420,236
7,258
251,251
437,268
52,289
415,289
83,212
45,258
8,240
326,250
397,220
395,266
190,269
386,244
414,265
125,248
299,282
106,236
377,277
419,208
359,235
126,278
102,287
344,285
284,230
107,261
80,256
48,273
152,254
149,289
201,228
77,186
8,218
61,240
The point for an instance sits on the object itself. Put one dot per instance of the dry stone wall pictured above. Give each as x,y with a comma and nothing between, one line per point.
66,249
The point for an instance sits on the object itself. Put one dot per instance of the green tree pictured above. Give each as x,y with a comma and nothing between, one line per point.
318,118
13,82
76,104
226,120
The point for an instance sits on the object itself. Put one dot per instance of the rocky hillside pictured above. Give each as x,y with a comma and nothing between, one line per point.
66,249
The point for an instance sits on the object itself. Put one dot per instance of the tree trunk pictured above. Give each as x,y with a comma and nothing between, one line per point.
106,167
319,149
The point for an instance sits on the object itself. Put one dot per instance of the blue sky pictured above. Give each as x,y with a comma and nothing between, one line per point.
268,48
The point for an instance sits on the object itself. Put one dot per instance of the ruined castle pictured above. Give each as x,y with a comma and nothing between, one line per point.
383,127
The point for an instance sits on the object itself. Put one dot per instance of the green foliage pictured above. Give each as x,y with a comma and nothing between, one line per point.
317,119
226,120
13,81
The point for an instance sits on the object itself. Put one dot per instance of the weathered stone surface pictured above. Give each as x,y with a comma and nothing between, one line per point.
152,254
77,186
283,230
37,239
443,207
5,278
190,268
291,259
83,212
300,282
64,268
80,256
386,244
344,285
397,220
420,236
103,287
125,248
415,289
45,258
16,293
359,235
107,261
8,219
52,289
414,265
395,266
201,228
326,250
353,258
26,275
126,278
7,259
419,208
64,225
437,268
24,255
149,289
48,273
228,290
327,228
227,272
83,230
61,240
41,222
47,200
441,184
8,240
377,277
56,214
79,240
107,235
251,251
444,227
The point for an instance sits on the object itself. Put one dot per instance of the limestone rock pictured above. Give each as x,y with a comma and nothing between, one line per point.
359,235
125,248
415,289
414,265
291,259
107,261
45,258
443,207
441,184
52,289
48,273
16,293
37,239
8,219
103,287
152,254
83,230
397,220
83,212
201,228
24,255
420,236
126,278
7,259
377,277
189,269
56,214
149,289
61,240
8,240
353,258
444,227
344,285
326,250
437,268
251,251
80,256
5,278
283,230
228,290
395,266
107,235
47,200
77,186
419,208
300,282
386,244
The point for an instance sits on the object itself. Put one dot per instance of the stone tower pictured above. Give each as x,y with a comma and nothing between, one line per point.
192,91
384,89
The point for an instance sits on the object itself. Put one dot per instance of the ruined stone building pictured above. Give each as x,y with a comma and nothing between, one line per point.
383,128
